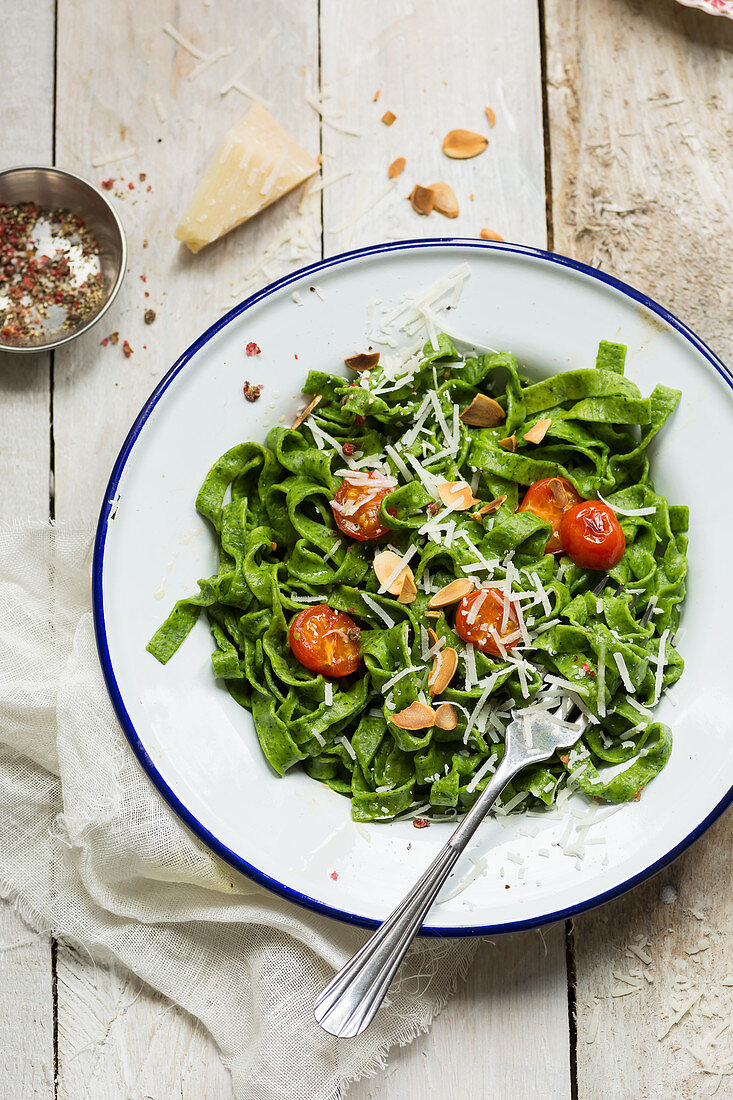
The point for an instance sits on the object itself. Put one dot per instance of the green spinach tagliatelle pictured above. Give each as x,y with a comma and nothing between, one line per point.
280,551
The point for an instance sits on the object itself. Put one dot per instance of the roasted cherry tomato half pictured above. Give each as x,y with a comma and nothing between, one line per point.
325,641
356,505
549,499
481,610
592,536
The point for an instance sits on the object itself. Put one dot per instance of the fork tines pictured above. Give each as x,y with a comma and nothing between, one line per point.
618,589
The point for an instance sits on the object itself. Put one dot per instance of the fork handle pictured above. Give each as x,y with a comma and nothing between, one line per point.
352,998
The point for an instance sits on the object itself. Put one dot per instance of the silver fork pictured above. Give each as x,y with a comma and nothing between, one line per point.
350,1001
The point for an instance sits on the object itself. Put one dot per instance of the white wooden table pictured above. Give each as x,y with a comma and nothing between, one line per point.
612,144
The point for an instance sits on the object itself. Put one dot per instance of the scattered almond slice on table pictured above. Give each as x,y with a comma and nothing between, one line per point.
457,495
446,717
443,671
538,431
396,168
444,201
422,199
451,593
417,716
491,115
256,164
483,412
363,360
490,235
306,411
463,144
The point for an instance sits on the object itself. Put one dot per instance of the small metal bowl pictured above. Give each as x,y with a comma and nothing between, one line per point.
56,189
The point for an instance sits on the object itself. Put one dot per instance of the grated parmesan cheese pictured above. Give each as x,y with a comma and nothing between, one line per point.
379,611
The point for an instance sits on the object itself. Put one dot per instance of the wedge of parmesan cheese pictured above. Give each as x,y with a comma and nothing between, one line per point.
256,164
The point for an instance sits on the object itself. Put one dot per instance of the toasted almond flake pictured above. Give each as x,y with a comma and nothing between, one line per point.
483,412
491,115
306,411
377,94
389,117
432,637
456,495
422,199
445,202
538,431
444,668
385,564
446,717
509,444
451,593
463,144
558,491
364,360
490,235
433,614
417,716
396,168
408,592
492,506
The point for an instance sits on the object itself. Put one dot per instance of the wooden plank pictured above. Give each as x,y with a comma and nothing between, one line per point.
639,133
26,1001
26,46
113,1030
436,71
503,1034
117,1039
435,77
106,89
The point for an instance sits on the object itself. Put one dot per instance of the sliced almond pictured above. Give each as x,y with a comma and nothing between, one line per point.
432,637
363,360
451,593
446,717
422,199
408,590
445,201
417,716
491,115
483,412
377,94
389,117
463,144
433,614
384,565
456,495
306,411
396,168
509,444
558,491
538,431
490,235
492,506
443,671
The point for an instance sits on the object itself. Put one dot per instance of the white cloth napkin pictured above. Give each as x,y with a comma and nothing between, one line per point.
89,851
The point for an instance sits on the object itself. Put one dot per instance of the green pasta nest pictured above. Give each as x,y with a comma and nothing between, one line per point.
280,551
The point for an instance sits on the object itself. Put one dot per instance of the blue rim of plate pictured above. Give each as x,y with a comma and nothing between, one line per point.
138,748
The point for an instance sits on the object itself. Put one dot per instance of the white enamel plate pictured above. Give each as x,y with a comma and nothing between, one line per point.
199,748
